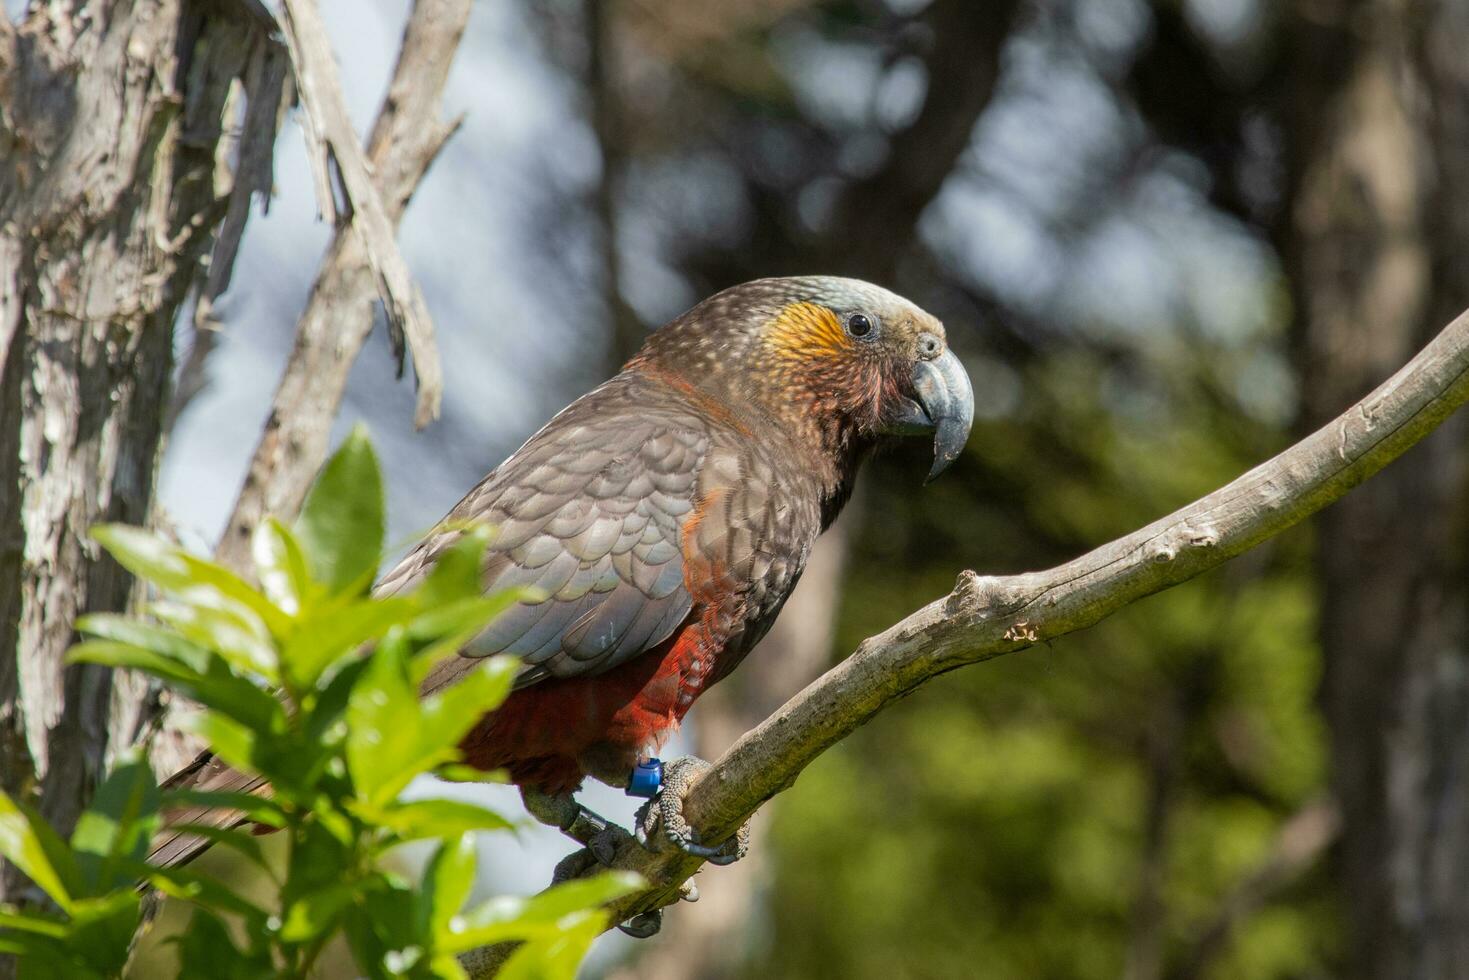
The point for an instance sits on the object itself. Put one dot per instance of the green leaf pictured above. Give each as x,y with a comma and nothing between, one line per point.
257,809
382,930
542,916
144,554
393,736
422,819
230,631
44,958
446,967
558,957
446,885
230,585
218,688
384,747
155,639
241,841
26,947
456,573
458,772
316,912
328,706
323,859
281,566
174,570
288,762
452,712
102,929
228,739
206,949
334,633
341,524
581,894
30,921
32,846
449,628
110,653
201,889
119,824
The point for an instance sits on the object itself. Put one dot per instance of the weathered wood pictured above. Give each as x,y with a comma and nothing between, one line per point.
405,140
331,140
115,175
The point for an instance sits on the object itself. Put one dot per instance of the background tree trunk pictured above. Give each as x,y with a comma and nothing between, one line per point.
1375,249
133,134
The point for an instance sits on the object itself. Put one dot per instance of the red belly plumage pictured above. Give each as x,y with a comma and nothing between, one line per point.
551,735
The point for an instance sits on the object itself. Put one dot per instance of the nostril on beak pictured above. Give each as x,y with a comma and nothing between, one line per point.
929,346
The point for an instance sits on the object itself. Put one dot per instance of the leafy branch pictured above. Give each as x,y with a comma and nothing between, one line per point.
325,739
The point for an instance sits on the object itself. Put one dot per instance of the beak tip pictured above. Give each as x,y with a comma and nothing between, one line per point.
945,399
941,462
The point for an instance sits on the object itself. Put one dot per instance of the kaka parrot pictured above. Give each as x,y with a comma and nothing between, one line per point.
665,517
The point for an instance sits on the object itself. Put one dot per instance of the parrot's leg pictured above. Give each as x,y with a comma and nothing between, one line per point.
599,837
667,809
593,831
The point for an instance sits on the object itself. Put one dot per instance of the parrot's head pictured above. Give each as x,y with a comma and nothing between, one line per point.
841,359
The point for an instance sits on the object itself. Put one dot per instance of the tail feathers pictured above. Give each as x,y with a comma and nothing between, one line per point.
175,846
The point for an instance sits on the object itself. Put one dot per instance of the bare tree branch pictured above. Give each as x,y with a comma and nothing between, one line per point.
988,617
405,140
330,136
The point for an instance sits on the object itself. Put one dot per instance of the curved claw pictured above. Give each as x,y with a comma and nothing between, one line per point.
666,810
725,854
644,925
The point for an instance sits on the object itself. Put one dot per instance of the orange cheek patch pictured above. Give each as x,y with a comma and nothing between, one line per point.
806,330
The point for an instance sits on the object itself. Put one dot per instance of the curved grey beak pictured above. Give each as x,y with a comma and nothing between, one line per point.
945,407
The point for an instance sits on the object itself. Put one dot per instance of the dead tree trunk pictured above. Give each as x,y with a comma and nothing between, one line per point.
132,136
1375,249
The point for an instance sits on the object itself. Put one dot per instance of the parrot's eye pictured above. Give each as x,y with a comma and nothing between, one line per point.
859,325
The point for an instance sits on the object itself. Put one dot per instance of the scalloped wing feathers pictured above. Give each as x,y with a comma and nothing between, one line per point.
595,511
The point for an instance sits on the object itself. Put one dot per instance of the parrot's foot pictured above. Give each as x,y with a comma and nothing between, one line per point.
666,809
578,863
600,839
593,831
641,926
644,925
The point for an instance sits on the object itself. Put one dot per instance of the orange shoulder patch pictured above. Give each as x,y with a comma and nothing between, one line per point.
805,330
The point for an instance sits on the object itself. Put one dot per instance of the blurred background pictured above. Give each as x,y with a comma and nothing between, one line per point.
1167,237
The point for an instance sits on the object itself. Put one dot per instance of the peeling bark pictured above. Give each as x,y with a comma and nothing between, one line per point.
129,131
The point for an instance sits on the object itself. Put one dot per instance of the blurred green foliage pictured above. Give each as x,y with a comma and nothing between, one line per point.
1010,820
343,738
